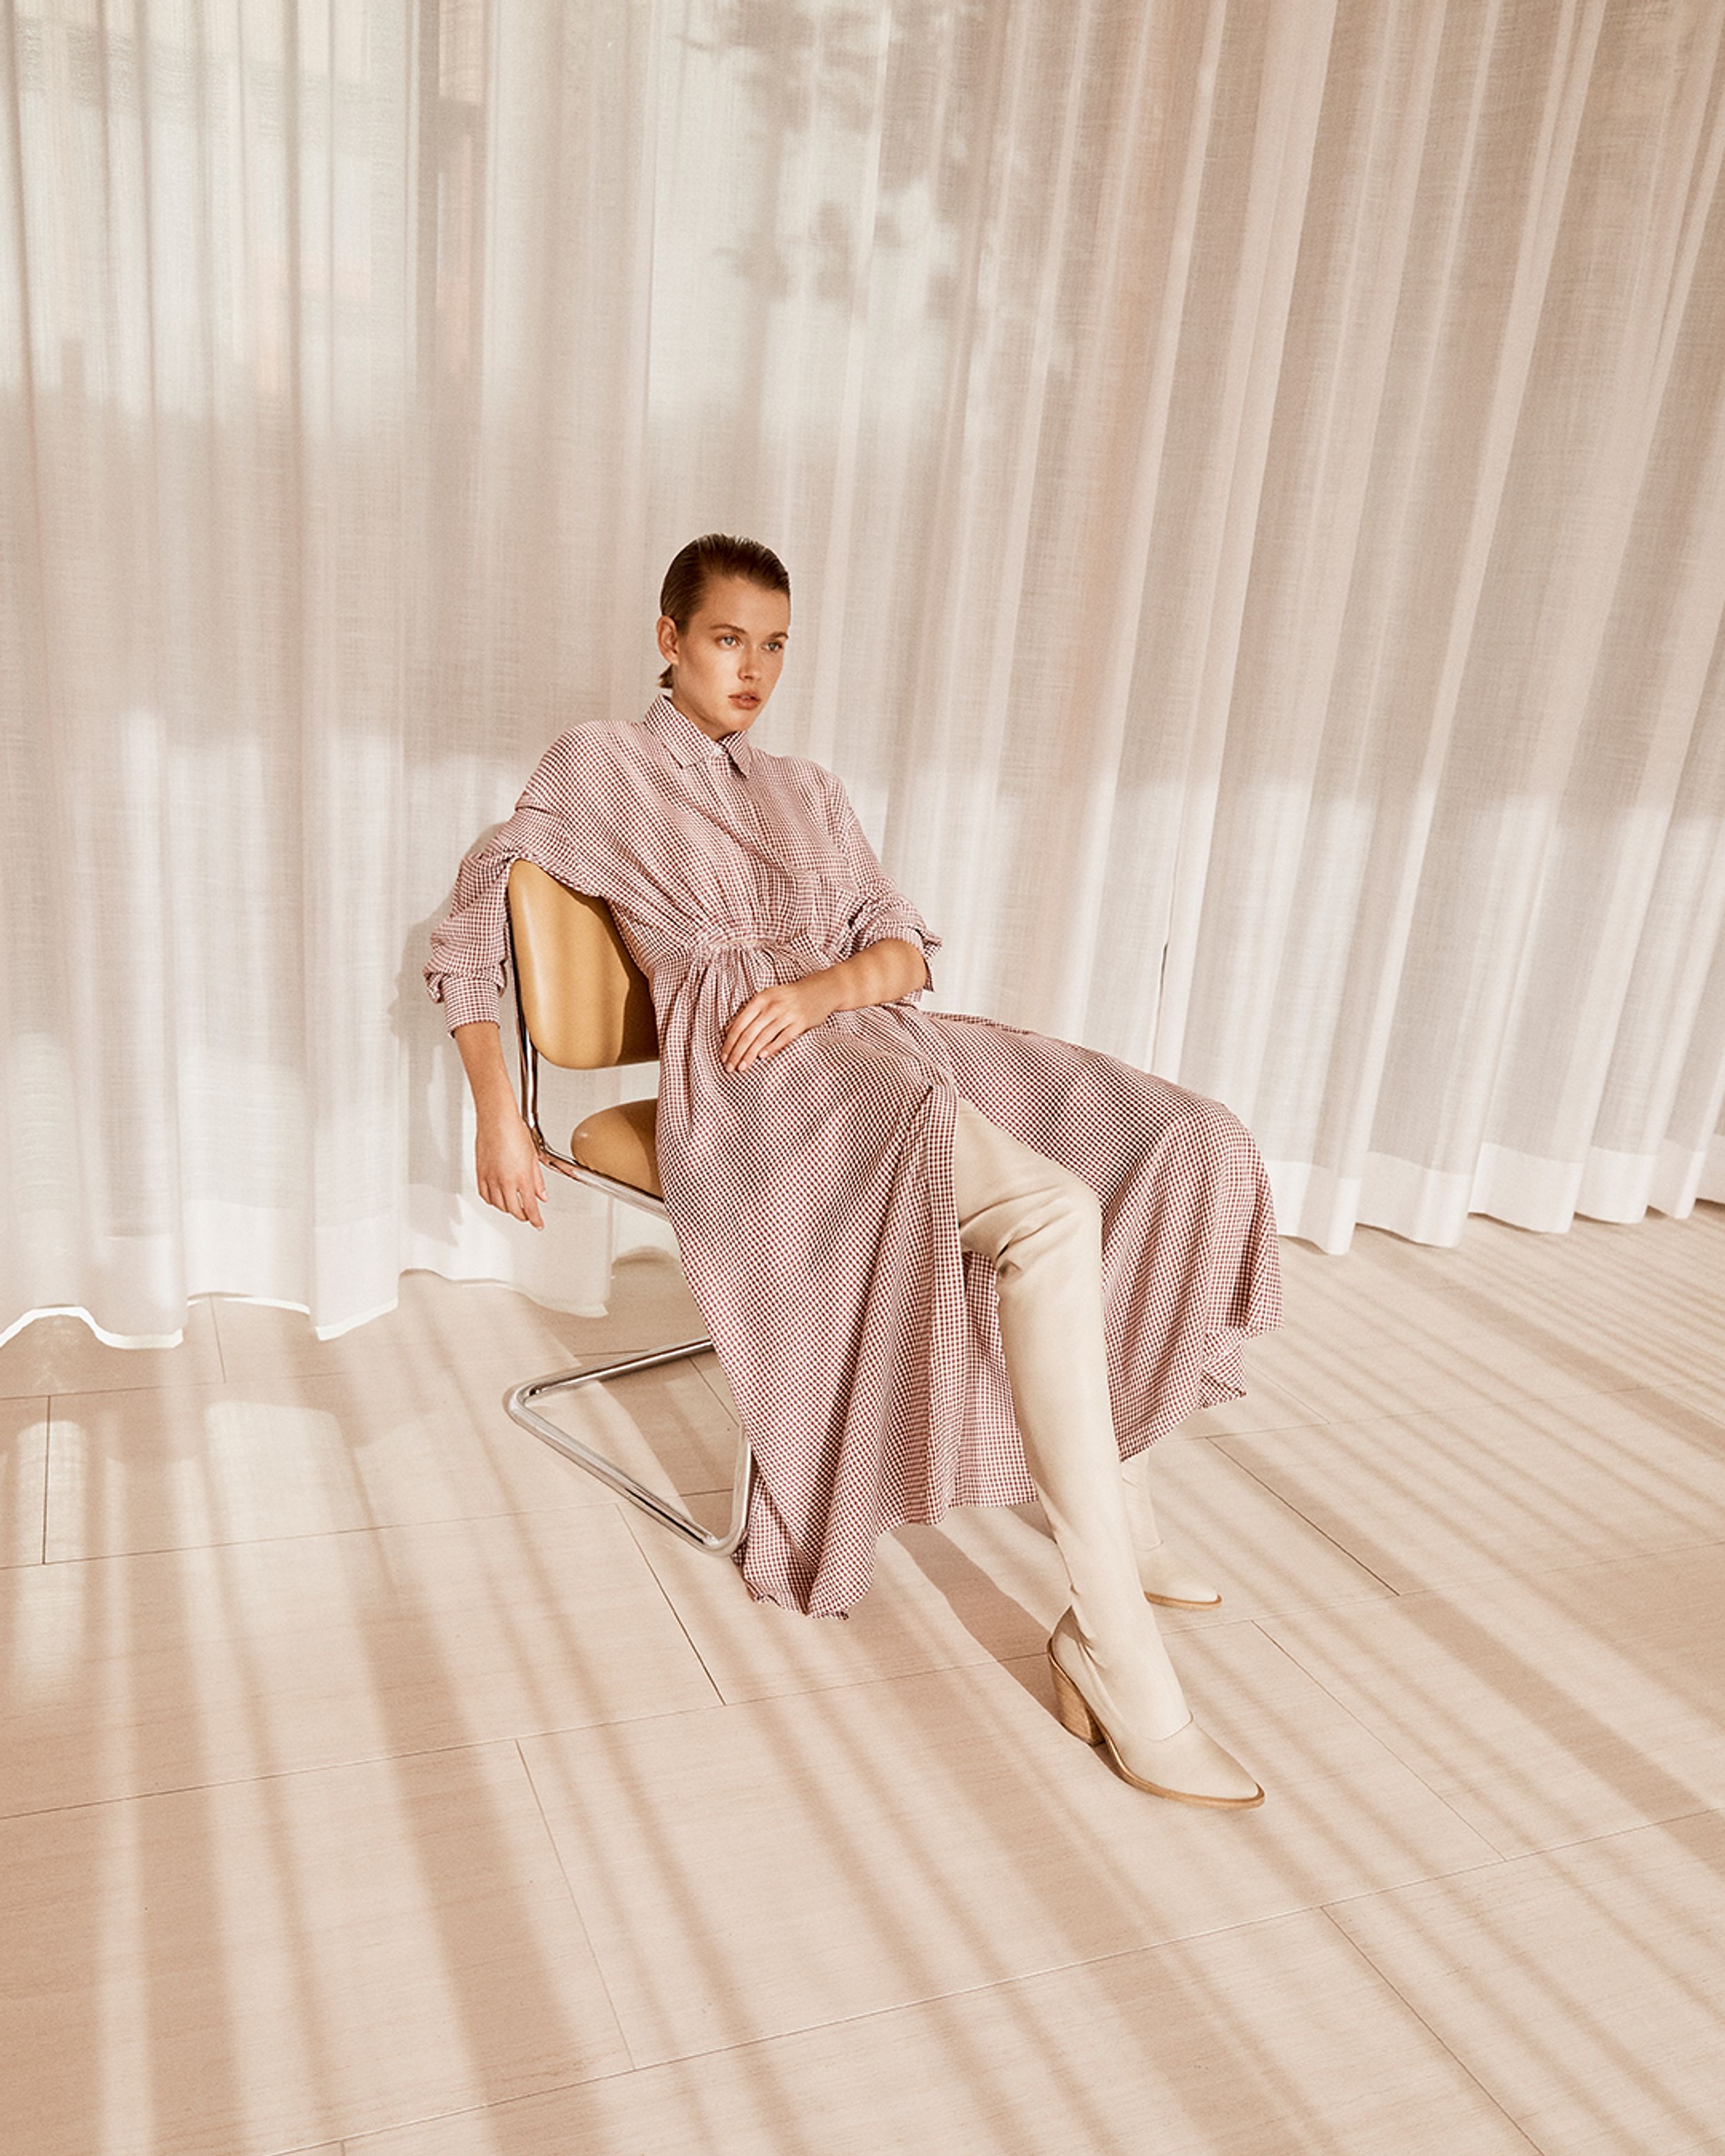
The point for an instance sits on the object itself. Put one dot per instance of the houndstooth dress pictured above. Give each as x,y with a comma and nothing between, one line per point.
812,1194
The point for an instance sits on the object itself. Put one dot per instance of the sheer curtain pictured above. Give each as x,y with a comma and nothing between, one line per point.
1253,475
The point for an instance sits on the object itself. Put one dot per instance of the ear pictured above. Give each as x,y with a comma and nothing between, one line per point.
667,638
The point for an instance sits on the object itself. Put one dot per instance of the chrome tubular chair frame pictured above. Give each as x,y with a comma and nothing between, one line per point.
520,1401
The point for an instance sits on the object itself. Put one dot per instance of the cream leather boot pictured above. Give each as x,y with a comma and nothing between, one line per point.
1164,1576
1114,1683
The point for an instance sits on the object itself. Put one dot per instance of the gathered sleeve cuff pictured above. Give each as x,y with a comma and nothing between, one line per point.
887,923
467,1001
882,911
467,969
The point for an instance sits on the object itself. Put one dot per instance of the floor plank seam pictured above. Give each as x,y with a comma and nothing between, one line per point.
341,1766
1514,2124
506,2102
326,1534
1445,1590
1341,1547
1589,1840
1502,1571
1384,1745
1167,1944
646,1556
47,1470
911,2005
580,1917
985,1658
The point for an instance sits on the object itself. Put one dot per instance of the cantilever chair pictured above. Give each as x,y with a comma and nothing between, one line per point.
582,1003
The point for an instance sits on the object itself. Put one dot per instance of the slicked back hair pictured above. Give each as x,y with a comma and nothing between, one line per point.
715,554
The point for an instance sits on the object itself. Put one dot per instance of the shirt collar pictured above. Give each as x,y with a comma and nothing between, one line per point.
689,745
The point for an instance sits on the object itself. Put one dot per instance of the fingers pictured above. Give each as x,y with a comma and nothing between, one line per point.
518,1202
740,1028
508,1170
770,1044
760,1028
737,1052
764,1038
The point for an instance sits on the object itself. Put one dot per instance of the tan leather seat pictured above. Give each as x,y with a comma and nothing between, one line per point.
583,1002
619,1142
586,1004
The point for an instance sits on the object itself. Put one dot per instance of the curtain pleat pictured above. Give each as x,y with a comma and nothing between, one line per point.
1253,477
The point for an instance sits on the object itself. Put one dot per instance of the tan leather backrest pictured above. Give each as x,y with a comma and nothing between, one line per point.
587,1002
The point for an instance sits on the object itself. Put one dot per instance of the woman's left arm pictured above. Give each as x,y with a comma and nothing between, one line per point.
880,973
886,964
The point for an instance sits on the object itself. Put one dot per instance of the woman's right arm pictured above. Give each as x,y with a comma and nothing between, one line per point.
466,974
505,1160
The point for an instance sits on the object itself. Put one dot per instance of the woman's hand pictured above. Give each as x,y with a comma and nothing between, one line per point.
507,1164
880,972
772,1019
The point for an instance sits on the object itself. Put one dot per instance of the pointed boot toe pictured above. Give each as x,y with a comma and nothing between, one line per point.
1188,1766
1169,1580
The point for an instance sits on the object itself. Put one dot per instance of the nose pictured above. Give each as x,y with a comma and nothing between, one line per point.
748,665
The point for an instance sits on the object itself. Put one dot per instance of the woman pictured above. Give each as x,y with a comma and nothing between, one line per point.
942,1260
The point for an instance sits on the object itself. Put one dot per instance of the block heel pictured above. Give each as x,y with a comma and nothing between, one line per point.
1072,1707
1188,1756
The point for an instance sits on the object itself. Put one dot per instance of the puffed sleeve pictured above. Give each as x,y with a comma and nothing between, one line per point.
466,970
882,910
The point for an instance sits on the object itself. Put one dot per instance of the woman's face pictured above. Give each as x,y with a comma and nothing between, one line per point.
728,658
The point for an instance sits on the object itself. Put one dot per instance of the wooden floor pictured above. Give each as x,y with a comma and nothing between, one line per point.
373,1782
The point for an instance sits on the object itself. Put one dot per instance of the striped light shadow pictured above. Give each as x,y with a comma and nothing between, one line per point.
1581,1989
1422,1500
